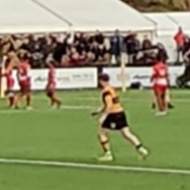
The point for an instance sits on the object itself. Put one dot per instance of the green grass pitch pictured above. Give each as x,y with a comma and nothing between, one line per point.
70,135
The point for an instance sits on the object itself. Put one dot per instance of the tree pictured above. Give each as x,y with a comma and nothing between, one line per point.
146,5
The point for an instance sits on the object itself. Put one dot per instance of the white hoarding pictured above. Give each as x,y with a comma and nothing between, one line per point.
68,78
141,75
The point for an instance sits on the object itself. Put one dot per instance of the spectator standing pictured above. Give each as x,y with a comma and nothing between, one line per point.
148,52
132,47
99,37
60,50
185,77
146,43
116,47
179,40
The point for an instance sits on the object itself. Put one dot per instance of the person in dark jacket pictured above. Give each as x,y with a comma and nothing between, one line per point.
116,42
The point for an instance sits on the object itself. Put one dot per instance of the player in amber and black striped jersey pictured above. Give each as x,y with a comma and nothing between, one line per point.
113,117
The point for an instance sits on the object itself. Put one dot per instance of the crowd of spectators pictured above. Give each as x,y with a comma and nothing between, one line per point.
80,48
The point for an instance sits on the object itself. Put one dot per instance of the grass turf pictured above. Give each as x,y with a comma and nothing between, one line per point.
71,135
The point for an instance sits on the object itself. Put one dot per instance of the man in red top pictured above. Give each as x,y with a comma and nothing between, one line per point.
51,86
9,82
24,79
160,81
179,39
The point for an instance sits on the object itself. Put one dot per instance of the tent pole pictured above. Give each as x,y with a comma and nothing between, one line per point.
123,71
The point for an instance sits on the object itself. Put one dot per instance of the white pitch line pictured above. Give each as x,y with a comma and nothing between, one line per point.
182,100
12,111
81,107
132,99
64,107
94,166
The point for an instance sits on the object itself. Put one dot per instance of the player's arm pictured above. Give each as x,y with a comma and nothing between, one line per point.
153,75
28,71
108,104
106,108
4,74
167,77
15,44
98,111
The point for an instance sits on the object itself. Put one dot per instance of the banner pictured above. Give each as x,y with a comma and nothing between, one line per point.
141,75
68,78
76,78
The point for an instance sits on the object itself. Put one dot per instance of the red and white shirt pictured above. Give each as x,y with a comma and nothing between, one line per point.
160,74
24,71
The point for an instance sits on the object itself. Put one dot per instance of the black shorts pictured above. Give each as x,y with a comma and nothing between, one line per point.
115,121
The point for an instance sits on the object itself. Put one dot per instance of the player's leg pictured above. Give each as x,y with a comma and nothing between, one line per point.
163,98
28,99
103,139
153,101
134,140
161,104
159,101
18,99
11,98
49,95
20,95
158,91
55,99
168,99
104,142
123,126
105,123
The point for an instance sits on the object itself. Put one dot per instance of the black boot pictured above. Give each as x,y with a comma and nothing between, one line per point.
170,106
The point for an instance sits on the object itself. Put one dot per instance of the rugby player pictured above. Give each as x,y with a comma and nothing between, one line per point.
160,80
113,118
8,74
24,79
51,86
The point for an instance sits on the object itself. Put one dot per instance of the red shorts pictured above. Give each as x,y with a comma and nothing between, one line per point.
10,84
25,86
159,89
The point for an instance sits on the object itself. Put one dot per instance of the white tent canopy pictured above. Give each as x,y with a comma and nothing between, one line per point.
165,26
168,23
182,19
24,16
104,15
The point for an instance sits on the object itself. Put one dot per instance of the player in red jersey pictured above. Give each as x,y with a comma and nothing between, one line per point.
160,81
8,73
51,86
24,79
